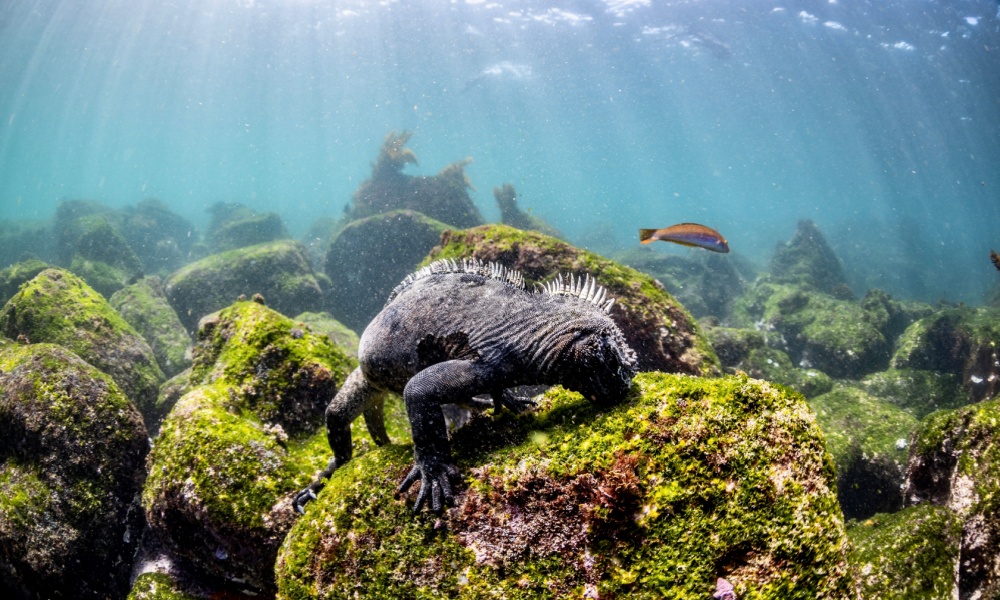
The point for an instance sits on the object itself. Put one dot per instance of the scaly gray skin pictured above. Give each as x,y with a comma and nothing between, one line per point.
452,331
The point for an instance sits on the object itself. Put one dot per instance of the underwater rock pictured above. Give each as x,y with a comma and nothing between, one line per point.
807,260
443,197
662,333
369,257
277,270
58,307
732,345
241,442
324,324
13,276
72,452
145,307
917,392
906,555
233,226
691,480
955,463
892,317
158,586
162,239
868,440
74,218
317,240
104,259
706,283
774,365
816,330
24,240
511,215
961,341
170,392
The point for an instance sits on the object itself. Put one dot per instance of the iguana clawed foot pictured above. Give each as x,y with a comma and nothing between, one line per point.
305,496
435,485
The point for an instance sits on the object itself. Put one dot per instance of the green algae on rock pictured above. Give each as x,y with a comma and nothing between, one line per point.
278,270
13,276
72,450
915,391
324,324
691,480
909,555
955,463
663,334
512,215
58,307
145,307
369,257
235,226
243,439
868,440
157,586
962,341
807,260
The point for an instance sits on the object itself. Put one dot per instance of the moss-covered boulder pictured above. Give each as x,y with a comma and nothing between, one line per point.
816,330
664,335
775,366
324,324
72,450
145,307
161,239
955,463
103,258
13,276
242,441
808,261
234,225
59,308
909,555
917,392
443,197
24,240
171,391
512,215
868,440
159,586
691,480
370,256
962,341
278,270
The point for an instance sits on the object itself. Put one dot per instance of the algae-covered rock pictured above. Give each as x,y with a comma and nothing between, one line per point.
443,197
664,335
955,463
512,215
72,449
868,440
732,345
909,555
691,480
104,259
324,324
158,586
24,240
774,365
59,308
170,392
162,239
246,437
13,276
235,226
917,392
963,341
278,270
816,330
145,307
807,260
369,257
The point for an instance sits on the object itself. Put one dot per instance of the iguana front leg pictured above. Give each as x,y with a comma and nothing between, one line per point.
424,394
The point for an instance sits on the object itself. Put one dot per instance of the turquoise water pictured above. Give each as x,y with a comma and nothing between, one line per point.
878,120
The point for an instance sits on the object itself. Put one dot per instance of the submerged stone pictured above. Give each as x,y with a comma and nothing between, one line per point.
277,270
145,307
370,256
955,463
324,324
690,481
915,391
512,215
807,260
236,226
663,334
909,555
868,439
245,437
72,450
58,307
13,276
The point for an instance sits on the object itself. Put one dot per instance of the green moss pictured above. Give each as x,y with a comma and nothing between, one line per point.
157,586
693,480
24,498
908,555
324,324
917,392
144,306
774,365
13,276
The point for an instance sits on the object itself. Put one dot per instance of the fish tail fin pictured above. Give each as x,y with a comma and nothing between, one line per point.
646,236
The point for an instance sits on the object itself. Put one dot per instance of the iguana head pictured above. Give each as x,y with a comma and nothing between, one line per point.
603,365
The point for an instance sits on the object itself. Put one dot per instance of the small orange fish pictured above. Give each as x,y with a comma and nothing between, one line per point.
687,234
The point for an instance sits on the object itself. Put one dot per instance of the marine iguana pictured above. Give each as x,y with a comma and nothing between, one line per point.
455,330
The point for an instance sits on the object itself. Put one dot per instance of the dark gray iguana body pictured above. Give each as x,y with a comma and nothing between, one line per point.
452,331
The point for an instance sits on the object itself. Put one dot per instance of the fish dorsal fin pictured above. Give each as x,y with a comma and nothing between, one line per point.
584,288
472,266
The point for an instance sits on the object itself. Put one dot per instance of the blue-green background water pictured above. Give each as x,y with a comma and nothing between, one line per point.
878,120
